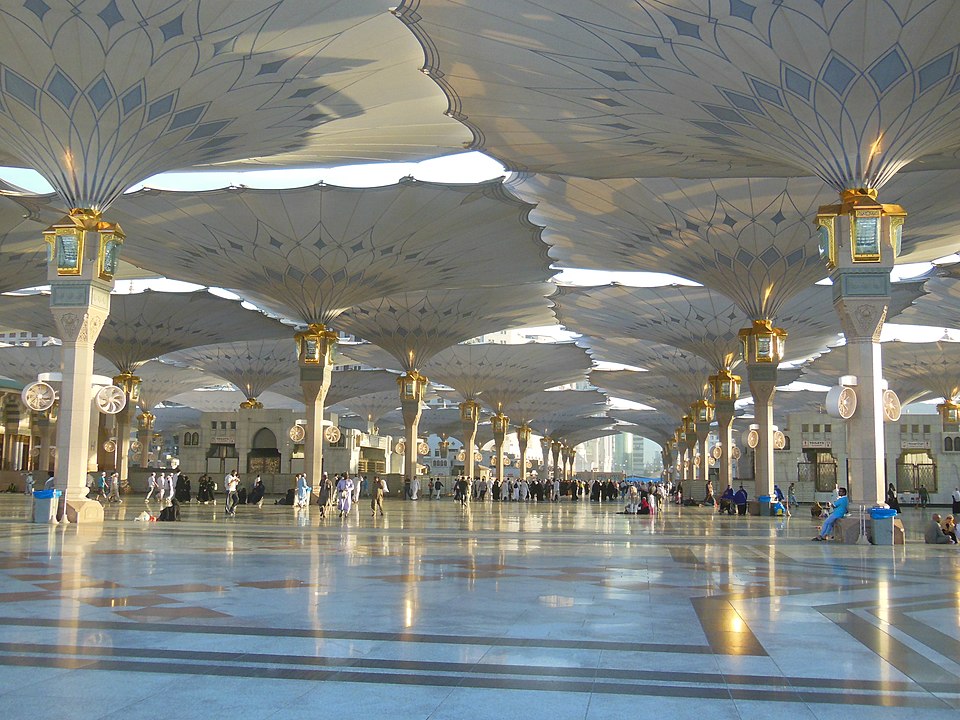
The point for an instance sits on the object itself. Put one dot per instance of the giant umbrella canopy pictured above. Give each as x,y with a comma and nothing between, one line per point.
144,326
159,381
414,327
310,253
915,370
499,376
705,322
251,365
98,96
849,91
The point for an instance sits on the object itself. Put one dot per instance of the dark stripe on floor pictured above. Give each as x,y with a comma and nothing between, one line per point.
476,681
214,629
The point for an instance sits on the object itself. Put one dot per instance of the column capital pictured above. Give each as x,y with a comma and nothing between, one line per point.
79,325
862,318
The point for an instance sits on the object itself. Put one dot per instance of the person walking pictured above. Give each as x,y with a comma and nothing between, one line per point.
151,486
377,490
303,491
257,493
326,490
115,488
344,495
232,482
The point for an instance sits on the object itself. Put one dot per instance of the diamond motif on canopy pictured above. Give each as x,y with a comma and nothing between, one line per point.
251,365
556,403
914,370
160,381
415,326
227,401
310,253
146,325
702,321
23,364
651,424
695,89
371,406
500,375
666,394
97,98
346,384
750,239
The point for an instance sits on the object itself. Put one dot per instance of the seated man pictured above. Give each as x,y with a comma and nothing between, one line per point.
933,534
839,510
740,500
727,504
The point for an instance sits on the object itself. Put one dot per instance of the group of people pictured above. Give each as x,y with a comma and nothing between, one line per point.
165,486
645,498
940,531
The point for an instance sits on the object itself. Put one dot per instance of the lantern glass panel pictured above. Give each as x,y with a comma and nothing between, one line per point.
68,253
764,347
866,242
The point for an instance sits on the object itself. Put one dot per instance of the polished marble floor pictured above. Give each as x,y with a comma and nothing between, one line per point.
498,611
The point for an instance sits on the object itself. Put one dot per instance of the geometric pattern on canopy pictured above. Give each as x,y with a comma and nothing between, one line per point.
559,427
345,384
144,326
99,95
23,364
371,406
553,403
160,381
669,395
940,306
750,239
913,369
222,401
415,326
309,253
498,375
849,90
703,321
251,365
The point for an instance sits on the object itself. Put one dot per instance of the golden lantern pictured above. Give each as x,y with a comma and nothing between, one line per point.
949,414
703,410
725,386
130,384
500,423
762,343
70,243
412,386
469,411
315,345
523,433
870,230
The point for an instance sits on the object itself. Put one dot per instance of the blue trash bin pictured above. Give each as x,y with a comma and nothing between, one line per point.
45,504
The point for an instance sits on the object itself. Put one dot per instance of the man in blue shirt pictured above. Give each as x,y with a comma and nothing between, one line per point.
740,500
839,510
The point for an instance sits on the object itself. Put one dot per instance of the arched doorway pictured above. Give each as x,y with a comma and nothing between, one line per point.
264,456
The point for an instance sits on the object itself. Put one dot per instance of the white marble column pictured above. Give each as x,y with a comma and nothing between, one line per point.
725,413
469,435
411,410
703,433
862,320
79,311
762,378
314,381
